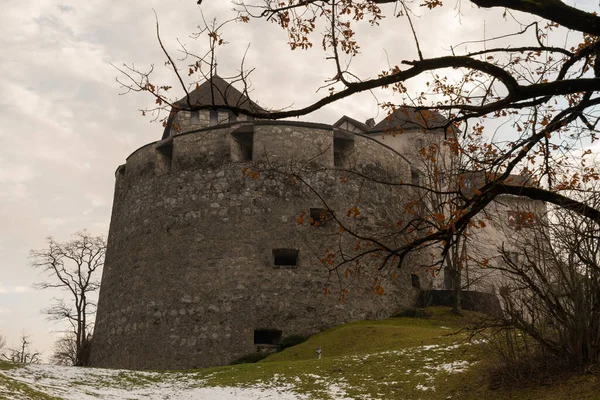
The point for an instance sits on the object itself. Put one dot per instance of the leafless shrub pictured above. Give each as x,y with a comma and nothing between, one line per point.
551,300
23,354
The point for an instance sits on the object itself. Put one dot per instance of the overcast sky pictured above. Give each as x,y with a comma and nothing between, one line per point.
65,128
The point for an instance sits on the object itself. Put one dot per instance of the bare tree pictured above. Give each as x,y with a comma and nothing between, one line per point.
551,291
65,350
23,353
2,342
73,266
440,178
544,92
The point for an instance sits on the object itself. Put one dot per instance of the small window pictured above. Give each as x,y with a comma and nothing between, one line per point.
267,337
285,257
520,219
195,115
214,117
232,117
319,216
440,179
342,148
242,145
449,275
512,257
414,280
414,176
503,290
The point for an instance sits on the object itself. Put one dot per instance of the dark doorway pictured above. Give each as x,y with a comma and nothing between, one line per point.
267,336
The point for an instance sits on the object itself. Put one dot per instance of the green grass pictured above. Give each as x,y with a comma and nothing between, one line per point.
13,389
386,359
398,358
382,359
369,337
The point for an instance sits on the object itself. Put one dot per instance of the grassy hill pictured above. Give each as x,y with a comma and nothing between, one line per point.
397,358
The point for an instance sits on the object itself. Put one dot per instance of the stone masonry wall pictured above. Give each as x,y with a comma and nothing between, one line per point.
189,272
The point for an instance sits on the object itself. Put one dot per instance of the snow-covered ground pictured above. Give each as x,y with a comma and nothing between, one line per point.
73,383
93,383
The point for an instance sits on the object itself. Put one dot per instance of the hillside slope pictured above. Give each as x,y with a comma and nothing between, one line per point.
398,358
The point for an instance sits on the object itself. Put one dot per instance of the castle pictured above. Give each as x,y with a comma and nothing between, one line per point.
230,234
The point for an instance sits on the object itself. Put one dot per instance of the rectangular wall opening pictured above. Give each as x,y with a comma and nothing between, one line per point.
245,144
164,157
520,219
195,116
242,144
214,117
512,257
414,176
342,149
319,216
415,281
121,170
285,257
267,337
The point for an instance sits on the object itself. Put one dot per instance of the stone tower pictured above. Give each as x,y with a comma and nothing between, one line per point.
222,231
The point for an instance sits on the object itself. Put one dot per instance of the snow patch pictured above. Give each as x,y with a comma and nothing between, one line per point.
67,383
425,388
452,368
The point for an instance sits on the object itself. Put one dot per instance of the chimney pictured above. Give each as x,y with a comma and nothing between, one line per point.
370,123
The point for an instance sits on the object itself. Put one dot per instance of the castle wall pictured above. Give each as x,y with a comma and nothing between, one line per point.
493,232
190,271
500,233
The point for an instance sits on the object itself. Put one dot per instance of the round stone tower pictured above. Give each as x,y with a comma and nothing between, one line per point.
225,234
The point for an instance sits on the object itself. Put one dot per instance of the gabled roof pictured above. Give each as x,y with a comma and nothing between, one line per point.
405,118
218,92
215,92
354,122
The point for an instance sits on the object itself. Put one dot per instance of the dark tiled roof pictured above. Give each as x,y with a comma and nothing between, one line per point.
405,118
217,92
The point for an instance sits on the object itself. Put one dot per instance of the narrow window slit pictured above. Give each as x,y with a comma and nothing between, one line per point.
214,117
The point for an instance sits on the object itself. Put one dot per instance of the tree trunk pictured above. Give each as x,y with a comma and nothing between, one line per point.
456,291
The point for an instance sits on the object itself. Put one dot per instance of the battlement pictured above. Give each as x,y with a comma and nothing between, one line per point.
274,143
